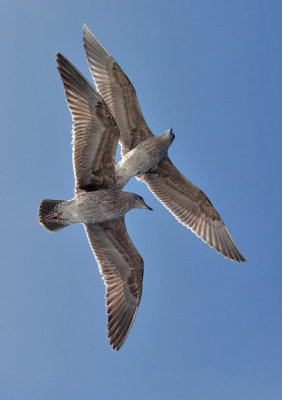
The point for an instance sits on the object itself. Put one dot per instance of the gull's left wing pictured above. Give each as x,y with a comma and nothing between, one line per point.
122,268
191,207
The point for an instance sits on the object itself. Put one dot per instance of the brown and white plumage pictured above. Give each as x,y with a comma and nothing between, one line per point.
95,133
95,139
191,207
122,268
118,92
183,199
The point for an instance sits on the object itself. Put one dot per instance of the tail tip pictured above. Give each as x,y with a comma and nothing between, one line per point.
47,215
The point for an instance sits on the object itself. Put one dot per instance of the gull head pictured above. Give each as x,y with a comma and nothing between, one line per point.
169,136
138,202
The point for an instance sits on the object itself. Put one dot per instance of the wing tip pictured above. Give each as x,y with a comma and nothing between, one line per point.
85,29
117,334
232,257
240,258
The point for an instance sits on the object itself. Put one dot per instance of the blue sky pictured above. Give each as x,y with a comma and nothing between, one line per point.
207,328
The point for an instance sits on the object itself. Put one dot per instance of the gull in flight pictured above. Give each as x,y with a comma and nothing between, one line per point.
183,199
99,203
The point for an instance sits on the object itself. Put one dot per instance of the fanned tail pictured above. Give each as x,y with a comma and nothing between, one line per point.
49,217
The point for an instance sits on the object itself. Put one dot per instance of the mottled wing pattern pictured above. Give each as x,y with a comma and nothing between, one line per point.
122,268
191,207
117,91
95,132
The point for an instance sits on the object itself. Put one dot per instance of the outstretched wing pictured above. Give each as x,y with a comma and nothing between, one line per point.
95,132
191,207
117,91
122,268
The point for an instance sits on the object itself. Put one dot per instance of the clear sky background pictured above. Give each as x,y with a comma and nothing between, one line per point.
207,328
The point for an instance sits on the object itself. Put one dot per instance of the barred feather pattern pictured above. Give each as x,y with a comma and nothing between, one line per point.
122,269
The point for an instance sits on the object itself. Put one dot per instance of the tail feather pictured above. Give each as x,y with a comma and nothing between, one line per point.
48,217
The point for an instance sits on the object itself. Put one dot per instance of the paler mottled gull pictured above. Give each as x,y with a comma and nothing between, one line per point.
98,203
183,199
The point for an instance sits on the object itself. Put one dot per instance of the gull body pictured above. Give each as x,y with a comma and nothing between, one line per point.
143,157
92,208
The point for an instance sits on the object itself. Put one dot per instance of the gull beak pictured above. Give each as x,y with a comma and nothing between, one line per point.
149,208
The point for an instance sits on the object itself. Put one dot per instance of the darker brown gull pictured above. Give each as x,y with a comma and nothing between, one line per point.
99,204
